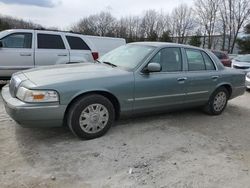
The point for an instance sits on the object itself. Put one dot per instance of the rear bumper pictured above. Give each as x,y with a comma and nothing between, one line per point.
33,115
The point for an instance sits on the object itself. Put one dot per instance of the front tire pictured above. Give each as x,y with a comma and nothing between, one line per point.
217,102
91,116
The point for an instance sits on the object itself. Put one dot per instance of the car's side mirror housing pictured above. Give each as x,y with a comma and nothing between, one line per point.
152,67
1,44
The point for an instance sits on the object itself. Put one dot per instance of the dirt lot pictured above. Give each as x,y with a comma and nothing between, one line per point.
181,149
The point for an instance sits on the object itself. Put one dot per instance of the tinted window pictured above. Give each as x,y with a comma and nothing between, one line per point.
47,41
76,43
208,62
195,60
170,59
17,40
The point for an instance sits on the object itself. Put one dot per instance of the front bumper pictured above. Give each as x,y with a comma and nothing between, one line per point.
33,115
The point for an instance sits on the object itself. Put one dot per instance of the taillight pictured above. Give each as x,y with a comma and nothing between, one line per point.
95,55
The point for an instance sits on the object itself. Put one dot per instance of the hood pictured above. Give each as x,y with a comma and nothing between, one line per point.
65,73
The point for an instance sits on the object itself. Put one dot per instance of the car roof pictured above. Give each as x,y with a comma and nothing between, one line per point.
164,44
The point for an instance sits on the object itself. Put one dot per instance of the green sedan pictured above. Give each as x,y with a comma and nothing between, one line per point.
137,78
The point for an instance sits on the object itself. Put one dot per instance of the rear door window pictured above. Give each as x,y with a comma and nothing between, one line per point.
76,43
17,40
208,62
49,41
195,60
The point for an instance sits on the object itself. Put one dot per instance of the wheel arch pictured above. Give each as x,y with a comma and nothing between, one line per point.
228,86
104,93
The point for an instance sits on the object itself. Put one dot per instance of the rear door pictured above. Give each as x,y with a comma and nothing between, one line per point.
202,76
79,50
17,53
50,49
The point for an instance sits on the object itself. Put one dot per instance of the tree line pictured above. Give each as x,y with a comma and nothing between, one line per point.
7,22
195,25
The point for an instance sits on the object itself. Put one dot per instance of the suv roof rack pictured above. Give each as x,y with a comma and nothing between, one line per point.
56,30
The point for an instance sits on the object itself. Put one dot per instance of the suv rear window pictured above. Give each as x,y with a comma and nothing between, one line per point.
76,43
48,41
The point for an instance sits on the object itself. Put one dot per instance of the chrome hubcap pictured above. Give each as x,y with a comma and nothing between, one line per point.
220,101
94,118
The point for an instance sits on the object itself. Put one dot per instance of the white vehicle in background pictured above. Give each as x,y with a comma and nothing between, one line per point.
24,49
248,80
242,62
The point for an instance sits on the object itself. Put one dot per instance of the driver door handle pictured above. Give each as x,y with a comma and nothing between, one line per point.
182,79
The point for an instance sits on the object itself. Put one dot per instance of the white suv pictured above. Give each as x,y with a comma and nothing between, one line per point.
23,49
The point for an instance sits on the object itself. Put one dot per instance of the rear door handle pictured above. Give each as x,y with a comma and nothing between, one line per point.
215,77
25,54
182,79
62,55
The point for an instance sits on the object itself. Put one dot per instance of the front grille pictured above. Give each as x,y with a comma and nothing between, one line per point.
14,83
240,67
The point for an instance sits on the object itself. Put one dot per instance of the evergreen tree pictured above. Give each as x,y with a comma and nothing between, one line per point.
244,42
195,40
166,37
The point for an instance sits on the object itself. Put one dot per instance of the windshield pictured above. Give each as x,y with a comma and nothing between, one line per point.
127,56
243,58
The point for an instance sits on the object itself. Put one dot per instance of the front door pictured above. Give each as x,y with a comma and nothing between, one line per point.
16,54
161,89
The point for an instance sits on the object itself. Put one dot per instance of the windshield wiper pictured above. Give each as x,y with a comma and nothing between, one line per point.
108,63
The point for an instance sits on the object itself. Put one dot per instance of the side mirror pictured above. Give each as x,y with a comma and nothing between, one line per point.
1,44
152,67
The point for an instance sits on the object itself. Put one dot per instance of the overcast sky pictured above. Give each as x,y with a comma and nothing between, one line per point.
64,13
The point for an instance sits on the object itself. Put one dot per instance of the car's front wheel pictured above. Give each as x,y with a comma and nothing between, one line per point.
91,116
217,102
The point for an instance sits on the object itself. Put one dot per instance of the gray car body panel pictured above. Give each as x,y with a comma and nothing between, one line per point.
135,91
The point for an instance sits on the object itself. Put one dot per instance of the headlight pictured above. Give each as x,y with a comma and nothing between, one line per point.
27,95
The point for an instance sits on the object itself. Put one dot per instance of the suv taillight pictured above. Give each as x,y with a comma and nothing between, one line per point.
95,55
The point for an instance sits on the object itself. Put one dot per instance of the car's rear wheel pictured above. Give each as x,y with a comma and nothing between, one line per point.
217,102
91,116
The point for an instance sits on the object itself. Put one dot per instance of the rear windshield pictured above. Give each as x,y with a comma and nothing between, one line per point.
220,55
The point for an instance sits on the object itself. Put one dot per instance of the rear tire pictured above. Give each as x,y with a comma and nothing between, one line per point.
91,116
217,101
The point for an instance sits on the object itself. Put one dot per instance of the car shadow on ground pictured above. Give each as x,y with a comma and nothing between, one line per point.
44,139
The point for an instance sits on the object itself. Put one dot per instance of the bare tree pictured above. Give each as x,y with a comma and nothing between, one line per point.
102,24
234,14
206,13
182,22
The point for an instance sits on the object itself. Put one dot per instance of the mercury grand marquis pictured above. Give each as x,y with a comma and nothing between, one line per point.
136,78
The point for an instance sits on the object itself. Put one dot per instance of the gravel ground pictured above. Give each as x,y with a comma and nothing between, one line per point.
180,149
